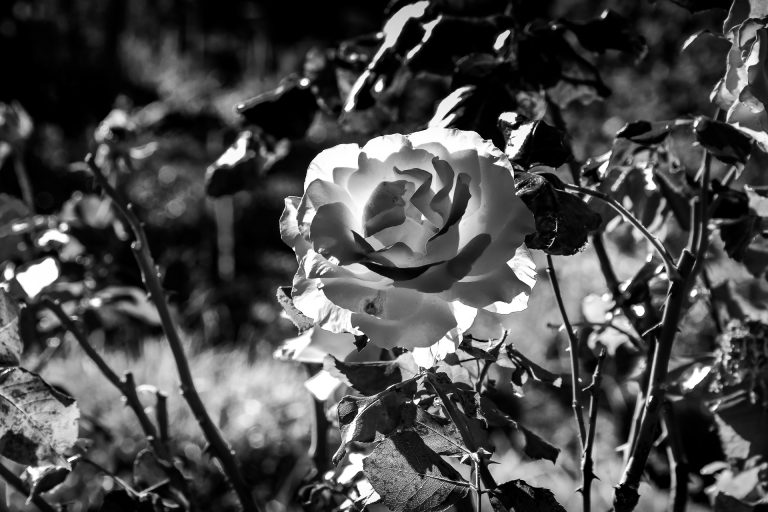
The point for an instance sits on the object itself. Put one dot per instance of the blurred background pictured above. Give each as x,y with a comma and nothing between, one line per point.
186,64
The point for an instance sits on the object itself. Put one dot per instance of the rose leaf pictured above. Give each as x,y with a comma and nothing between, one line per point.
411,477
10,338
518,495
722,140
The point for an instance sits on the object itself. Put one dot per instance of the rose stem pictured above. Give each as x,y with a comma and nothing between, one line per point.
140,247
678,466
574,350
587,463
669,264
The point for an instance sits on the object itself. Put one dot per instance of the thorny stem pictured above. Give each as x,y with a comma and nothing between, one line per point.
125,386
587,463
678,465
669,264
574,350
626,496
219,446
16,482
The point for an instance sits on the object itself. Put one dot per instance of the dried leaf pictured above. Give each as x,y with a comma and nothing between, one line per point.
517,495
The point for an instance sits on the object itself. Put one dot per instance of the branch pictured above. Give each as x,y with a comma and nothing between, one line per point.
219,446
16,482
125,386
626,495
669,264
678,465
587,474
574,349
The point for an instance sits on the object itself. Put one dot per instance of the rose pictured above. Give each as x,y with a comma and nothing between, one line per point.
743,92
410,239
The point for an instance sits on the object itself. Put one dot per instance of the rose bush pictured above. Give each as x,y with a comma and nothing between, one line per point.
410,240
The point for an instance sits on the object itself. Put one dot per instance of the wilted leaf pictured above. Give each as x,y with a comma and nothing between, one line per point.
722,140
37,422
518,496
284,112
363,419
563,221
373,377
412,478
10,339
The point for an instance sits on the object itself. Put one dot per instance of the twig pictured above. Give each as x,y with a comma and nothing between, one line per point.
23,178
219,446
669,264
678,465
125,386
16,482
574,349
161,414
587,463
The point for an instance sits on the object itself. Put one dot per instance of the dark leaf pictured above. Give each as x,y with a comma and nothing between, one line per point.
533,143
563,221
412,478
722,140
518,496
284,112
301,321
610,31
13,212
237,168
646,133
122,500
10,338
440,48
364,419
535,446
44,478
370,378
475,108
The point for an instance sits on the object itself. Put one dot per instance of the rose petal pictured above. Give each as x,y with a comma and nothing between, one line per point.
319,193
312,301
313,345
332,233
290,231
385,207
324,166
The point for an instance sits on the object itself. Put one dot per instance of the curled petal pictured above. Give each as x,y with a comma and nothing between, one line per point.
290,232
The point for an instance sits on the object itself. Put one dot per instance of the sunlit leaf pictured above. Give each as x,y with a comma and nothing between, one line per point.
37,422
412,478
10,338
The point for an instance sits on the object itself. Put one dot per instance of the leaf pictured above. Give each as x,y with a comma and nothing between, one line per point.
563,221
439,434
37,422
610,31
364,419
645,133
10,338
35,276
44,478
12,210
299,319
513,358
412,478
740,11
518,496
237,168
440,49
757,199
722,140
535,446
373,377
114,303
533,143
284,112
